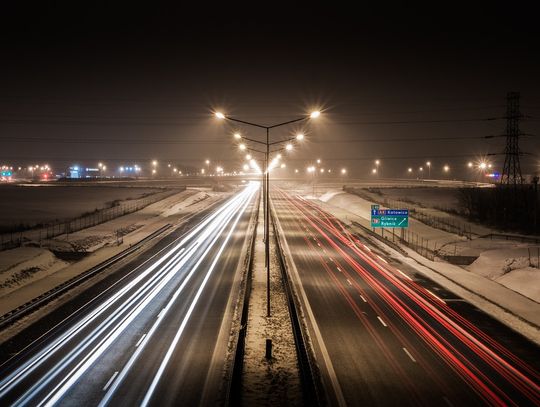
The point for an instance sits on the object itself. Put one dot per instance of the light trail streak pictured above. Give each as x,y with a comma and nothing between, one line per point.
96,342
446,332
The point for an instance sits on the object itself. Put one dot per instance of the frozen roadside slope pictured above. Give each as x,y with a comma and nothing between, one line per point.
510,307
511,267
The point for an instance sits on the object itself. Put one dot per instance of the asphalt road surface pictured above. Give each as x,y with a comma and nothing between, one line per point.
158,337
382,338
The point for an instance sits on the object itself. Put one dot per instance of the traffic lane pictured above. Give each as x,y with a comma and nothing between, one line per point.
482,362
62,341
187,371
371,367
131,358
504,383
40,331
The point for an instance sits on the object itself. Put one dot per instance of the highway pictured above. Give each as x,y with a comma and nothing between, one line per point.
381,338
158,337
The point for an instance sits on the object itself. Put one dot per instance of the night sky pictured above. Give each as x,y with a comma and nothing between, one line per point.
134,83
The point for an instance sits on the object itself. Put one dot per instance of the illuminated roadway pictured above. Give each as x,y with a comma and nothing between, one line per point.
380,338
157,338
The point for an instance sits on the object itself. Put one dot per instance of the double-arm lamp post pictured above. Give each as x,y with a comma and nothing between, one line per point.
266,176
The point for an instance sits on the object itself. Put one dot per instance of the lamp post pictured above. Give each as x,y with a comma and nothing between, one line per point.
266,177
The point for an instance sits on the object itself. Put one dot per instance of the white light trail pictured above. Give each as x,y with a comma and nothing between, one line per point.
118,320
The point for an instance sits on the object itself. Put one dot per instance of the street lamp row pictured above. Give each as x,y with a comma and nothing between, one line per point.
266,173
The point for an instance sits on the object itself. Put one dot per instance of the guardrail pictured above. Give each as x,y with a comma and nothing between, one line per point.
312,388
30,306
232,396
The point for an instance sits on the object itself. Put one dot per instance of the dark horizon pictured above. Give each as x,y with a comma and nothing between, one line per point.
83,84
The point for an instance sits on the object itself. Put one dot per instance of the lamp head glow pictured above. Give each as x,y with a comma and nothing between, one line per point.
289,147
278,156
242,146
219,115
283,165
248,157
428,163
237,136
470,165
344,171
315,114
300,136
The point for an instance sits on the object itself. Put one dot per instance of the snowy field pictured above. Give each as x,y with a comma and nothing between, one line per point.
36,203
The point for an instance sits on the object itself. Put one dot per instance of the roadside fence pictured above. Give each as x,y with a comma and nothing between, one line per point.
65,227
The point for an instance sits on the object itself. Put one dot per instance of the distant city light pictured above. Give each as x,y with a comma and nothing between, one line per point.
219,115
315,114
344,171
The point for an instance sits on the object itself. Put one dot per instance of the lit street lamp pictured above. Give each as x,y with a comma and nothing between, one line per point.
428,164
266,175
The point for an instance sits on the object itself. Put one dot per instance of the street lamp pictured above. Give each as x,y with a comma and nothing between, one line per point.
429,168
266,175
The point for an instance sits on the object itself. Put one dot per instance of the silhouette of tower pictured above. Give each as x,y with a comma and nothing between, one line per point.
511,174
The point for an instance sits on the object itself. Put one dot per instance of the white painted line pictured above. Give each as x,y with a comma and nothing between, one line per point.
404,275
331,259
349,281
140,340
382,259
110,381
318,244
338,269
409,355
448,402
380,319
363,299
439,298
367,248
161,313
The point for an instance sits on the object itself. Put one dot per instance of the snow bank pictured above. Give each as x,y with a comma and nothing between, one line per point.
510,267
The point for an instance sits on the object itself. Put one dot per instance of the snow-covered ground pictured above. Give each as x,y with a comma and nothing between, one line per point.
274,381
27,272
502,281
42,203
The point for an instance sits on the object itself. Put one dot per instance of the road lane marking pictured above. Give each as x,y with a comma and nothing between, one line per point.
161,313
363,299
404,275
382,322
110,381
367,248
439,298
140,340
349,281
409,355
382,259
338,269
